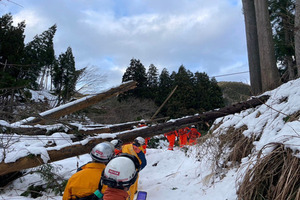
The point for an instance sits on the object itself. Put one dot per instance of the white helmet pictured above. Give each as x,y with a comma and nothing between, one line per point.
193,126
120,172
117,143
103,152
139,140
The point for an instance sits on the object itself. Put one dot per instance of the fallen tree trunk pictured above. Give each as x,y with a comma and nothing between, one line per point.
117,128
77,105
127,136
71,129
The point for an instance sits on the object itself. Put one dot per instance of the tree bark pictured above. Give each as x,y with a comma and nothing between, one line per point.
269,73
297,36
252,46
80,148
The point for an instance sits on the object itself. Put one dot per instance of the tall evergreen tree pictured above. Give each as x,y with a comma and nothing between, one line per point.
282,19
215,95
164,86
183,99
12,68
152,81
202,85
136,72
65,75
40,52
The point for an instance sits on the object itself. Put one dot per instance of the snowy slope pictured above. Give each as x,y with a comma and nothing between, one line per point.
191,173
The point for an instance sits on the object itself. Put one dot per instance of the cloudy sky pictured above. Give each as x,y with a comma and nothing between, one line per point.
203,35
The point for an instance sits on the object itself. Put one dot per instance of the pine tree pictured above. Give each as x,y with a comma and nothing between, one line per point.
215,95
12,67
136,72
152,82
65,75
183,99
202,85
40,53
164,88
282,19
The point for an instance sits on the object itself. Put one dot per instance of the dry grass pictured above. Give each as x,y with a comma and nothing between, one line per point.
227,149
241,146
274,177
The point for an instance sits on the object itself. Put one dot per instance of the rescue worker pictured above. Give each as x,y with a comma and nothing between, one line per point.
119,174
143,124
193,135
182,133
86,181
118,145
171,137
135,150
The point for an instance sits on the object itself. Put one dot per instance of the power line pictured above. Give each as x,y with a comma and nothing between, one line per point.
231,74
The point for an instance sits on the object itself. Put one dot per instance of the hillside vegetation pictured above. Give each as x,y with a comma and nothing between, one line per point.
234,92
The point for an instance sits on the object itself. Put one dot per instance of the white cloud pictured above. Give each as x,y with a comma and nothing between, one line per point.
202,35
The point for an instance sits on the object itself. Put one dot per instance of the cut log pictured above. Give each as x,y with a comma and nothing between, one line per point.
127,136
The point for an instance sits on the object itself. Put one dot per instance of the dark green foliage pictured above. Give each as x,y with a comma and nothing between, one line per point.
152,81
164,86
53,183
40,53
282,15
136,72
33,191
11,53
194,94
154,142
65,75
22,65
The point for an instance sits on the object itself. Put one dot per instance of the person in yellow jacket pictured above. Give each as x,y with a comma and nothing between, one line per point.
135,150
86,181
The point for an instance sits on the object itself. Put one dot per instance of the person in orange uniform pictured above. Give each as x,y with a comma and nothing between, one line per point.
85,182
193,135
171,136
134,149
146,143
182,133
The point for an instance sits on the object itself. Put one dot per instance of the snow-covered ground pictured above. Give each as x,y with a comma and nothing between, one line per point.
190,173
168,175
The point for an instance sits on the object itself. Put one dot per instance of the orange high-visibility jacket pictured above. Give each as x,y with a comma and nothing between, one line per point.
183,131
193,134
171,133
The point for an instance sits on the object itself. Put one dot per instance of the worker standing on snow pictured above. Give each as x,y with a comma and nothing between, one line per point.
193,135
134,149
86,181
143,124
182,133
120,173
171,136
